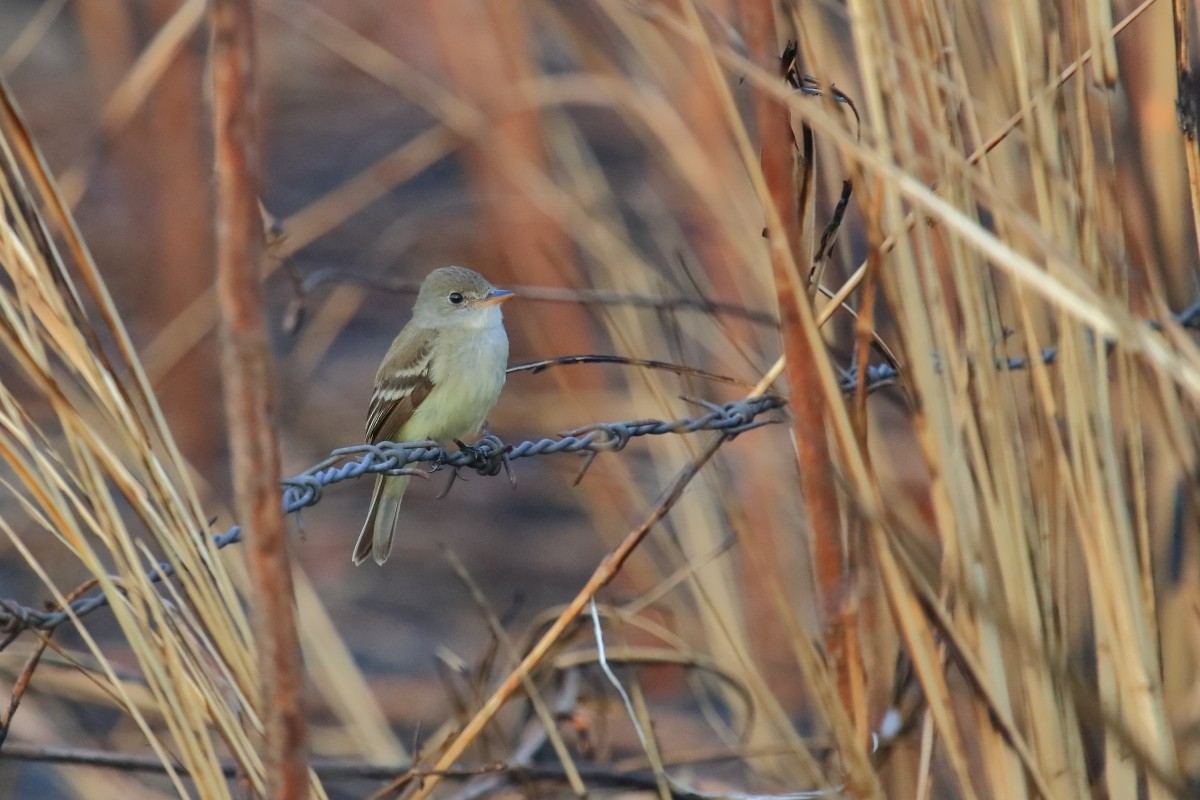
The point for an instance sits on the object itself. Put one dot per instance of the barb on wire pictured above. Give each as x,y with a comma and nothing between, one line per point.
880,375
304,490
15,618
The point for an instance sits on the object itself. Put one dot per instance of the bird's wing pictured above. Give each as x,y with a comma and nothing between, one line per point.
404,380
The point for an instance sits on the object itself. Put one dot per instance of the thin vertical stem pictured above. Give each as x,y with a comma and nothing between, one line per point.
1187,106
807,399
249,400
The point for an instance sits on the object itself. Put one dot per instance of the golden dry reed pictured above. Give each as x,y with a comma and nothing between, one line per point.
974,583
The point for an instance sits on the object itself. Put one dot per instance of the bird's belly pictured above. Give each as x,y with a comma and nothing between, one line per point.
454,415
462,399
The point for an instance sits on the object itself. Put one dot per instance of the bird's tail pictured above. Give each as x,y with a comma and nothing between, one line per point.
376,537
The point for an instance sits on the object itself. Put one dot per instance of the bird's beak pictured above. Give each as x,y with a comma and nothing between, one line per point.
494,296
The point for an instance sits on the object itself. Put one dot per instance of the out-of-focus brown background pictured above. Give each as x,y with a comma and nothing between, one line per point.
132,152
390,130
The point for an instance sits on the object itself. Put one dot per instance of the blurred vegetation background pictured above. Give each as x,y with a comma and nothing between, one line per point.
975,582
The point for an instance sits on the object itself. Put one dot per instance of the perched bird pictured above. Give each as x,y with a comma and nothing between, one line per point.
439,380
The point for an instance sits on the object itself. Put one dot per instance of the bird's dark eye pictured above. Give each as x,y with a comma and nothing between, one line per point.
455,298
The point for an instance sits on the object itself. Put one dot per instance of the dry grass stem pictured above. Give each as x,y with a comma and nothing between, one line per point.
249,394
944,244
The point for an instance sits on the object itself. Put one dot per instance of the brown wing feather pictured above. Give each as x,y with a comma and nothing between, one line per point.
403,384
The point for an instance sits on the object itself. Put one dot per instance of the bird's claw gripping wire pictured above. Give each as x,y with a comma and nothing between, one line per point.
488,457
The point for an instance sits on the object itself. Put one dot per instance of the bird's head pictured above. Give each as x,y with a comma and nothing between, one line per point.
459,296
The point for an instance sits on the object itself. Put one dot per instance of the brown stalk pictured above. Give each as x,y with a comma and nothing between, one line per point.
1187,106
530,242
852,671
803,379
249,400
181,245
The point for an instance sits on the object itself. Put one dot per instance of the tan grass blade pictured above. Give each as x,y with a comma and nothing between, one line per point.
103,476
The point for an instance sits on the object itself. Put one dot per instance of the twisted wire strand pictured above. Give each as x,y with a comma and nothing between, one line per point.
15,618
880,375
488,456
392,458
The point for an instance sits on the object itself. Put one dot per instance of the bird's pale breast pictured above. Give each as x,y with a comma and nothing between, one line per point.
467,382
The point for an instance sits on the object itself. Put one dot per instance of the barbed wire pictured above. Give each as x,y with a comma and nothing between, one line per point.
488,457
15,618
880,375
392,458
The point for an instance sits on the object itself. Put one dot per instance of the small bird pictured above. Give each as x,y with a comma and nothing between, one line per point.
439,380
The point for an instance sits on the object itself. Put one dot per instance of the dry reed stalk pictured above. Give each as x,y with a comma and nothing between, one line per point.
790,246
1188,107
533,245
720,608
944,348
99,472
1040,503
156,61
680,122
249,394
774,192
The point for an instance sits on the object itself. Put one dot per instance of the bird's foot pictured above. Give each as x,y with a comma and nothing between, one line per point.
477,452
490,456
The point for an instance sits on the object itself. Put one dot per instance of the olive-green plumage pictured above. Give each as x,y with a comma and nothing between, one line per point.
439,379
